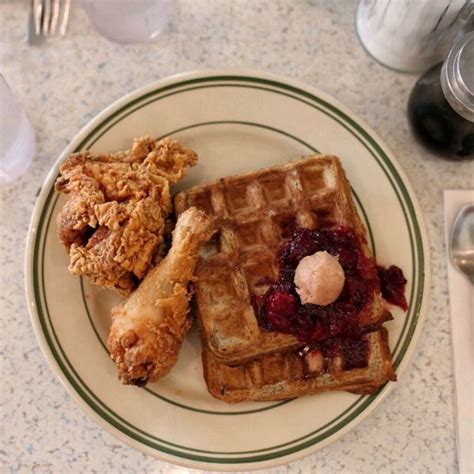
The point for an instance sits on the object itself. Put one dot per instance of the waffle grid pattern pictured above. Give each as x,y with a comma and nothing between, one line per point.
278,367
286,375
258,213
255,214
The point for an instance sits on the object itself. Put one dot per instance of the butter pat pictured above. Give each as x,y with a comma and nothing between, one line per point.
319,279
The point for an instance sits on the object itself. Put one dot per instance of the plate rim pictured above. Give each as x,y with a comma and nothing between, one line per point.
425,277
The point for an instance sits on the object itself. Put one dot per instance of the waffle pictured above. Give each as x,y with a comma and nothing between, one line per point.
255,214
281,376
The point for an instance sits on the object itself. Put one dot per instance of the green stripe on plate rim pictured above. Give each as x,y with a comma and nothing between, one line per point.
385,164
172,133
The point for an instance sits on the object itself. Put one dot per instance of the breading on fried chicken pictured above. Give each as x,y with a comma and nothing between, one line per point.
114,217
149,327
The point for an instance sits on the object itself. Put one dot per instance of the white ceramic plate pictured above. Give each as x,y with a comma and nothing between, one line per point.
236,122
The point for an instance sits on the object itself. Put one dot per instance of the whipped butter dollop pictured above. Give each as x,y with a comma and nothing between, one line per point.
319,279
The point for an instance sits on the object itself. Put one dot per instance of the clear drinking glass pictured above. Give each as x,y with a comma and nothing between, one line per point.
17,138
129,21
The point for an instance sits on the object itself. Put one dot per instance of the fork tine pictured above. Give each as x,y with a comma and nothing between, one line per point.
46,16
37,12
54,17
64,23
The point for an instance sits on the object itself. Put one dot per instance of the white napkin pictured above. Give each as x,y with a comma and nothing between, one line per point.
461,297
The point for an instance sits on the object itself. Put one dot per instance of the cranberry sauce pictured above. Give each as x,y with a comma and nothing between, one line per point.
392,285
280,308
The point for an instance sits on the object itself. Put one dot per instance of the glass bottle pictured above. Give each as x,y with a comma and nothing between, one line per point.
441,104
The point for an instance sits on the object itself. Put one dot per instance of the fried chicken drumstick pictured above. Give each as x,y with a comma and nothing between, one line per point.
149,327
116,206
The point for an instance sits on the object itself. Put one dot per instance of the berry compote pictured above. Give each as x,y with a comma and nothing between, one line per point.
392,285
280,308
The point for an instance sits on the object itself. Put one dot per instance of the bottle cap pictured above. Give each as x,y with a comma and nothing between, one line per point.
457,77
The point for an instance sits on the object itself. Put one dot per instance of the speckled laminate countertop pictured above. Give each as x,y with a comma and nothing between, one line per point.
65,82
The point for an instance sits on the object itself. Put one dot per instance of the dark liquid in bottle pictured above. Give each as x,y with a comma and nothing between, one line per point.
434,121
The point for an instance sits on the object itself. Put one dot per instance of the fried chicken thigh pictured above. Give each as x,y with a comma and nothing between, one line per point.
148,329
113,220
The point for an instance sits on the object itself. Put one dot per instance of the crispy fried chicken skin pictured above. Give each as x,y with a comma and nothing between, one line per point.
113,220
149,327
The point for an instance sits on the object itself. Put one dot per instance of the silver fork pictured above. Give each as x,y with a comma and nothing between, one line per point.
47,18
